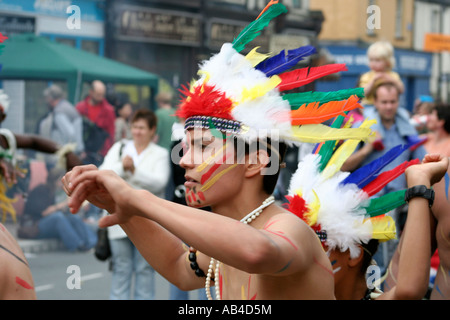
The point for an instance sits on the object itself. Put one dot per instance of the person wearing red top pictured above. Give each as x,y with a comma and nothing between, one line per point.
98,110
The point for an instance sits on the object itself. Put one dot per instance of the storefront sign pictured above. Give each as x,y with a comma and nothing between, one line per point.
436,42
171,27
11,24
220,31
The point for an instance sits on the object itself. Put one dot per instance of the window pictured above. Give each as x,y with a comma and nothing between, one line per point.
399,19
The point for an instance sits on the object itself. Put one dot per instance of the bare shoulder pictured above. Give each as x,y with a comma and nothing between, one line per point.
288,220
283,222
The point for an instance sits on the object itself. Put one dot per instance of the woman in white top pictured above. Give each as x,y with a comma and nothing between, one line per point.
144,165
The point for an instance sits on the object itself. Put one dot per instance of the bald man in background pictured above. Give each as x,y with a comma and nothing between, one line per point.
97,109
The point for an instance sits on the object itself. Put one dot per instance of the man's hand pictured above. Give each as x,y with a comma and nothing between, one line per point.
429,172
103,188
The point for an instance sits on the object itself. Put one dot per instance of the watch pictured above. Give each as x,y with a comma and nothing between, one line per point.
420,191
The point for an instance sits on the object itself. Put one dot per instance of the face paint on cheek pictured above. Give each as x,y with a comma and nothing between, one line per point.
193,198
215,178
335,269
210,178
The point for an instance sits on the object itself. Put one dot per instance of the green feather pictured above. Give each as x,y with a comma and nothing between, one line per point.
254,29
386,203
327,149
299,99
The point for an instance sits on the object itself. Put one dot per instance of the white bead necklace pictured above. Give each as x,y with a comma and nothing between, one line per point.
215,264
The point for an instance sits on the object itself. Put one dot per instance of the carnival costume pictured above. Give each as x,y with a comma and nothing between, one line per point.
247,96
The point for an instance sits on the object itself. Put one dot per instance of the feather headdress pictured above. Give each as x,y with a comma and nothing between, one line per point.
245,94
340,206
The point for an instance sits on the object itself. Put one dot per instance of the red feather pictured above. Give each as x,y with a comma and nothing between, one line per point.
384,178
205,101
2,37
297,205
300,77
313,113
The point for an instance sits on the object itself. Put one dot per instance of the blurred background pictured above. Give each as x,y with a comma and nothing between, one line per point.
167,39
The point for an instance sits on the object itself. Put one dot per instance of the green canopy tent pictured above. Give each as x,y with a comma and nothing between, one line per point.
30,57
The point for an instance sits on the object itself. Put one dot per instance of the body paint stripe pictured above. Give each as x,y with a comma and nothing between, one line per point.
285,267
323,267
23,283
284,237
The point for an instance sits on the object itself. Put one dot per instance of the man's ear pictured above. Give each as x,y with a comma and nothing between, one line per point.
353,262
256,162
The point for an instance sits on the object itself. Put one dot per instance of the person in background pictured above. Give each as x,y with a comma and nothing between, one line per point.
381,62
15,275
166,118
438,141
423,106
63,123
144,165
98,111
393,128
122,124
52,218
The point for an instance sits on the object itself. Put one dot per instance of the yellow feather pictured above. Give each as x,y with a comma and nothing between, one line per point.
260,90
313,212
383,228
255,57
314,133
343,152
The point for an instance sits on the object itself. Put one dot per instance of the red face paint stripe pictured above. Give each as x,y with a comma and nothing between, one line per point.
201,196
23,283
208,174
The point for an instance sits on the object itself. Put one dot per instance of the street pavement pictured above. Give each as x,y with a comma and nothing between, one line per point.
62,275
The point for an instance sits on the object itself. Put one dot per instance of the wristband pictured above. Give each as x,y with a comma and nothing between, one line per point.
420,191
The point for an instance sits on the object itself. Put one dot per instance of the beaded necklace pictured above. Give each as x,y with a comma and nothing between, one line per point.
216,263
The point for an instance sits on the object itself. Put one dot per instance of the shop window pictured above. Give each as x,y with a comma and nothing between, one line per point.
91,46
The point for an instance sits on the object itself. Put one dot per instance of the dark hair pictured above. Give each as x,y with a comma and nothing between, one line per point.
443,113
369,250
274,153
147,115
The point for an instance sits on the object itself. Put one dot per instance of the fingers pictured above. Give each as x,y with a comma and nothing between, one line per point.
108,221
78,196
432,157
70,178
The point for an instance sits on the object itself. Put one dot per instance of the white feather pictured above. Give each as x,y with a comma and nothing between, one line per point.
340,213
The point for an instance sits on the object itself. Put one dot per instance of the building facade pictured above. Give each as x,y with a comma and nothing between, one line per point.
346,34
171,37
79,24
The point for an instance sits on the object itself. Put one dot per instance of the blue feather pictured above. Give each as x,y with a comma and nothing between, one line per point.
282,62
367,173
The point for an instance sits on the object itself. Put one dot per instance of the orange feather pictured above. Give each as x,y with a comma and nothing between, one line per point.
314,114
